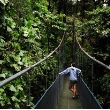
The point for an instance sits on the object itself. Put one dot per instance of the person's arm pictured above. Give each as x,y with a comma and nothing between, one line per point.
64,72
79,72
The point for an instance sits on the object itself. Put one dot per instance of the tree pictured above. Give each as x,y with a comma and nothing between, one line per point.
23,39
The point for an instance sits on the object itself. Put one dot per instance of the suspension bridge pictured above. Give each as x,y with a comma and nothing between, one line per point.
58,96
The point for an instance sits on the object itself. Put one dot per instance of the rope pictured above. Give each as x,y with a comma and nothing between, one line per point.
2,83
92,58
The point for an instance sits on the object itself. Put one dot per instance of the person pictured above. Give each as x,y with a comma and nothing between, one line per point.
73,73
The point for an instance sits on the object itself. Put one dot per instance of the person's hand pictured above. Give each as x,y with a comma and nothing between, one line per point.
58,73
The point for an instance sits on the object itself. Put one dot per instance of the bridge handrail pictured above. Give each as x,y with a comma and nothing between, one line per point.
50,98
92,58
2,83
88,100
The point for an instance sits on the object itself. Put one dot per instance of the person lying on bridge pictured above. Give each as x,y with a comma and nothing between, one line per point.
73,73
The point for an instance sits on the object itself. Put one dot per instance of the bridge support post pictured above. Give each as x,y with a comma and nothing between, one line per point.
28,91
92,76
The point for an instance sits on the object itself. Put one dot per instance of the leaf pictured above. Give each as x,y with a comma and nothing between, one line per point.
1,98
15,99
16,66
2,75
13,25
7,100
3,2
16,46
23,100
20,63
1,91
20,87
25,33
12,88
28,23
2,103
9,29
24,60
1,44
17,105
21,53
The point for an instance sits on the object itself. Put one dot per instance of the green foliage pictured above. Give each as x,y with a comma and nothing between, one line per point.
96,29
26,29
95,34
13,93
105,83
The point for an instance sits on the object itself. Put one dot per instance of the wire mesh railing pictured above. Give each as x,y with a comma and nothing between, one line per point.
93,70
87,99
50,99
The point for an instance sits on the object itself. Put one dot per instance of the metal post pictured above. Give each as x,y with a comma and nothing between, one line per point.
82,60
46,72
107,84
92,76
29,86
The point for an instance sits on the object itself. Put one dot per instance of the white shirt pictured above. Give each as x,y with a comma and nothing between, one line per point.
73,72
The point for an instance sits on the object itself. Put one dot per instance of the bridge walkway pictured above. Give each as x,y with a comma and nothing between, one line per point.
66,101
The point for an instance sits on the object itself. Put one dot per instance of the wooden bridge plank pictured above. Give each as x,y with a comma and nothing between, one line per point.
66,101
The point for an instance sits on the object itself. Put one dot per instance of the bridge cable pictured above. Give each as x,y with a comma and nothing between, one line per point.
92,58
2,83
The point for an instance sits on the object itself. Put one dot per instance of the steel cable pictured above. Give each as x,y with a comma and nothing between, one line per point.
2,83
92,58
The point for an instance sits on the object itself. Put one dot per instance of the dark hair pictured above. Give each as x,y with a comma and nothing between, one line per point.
73,64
